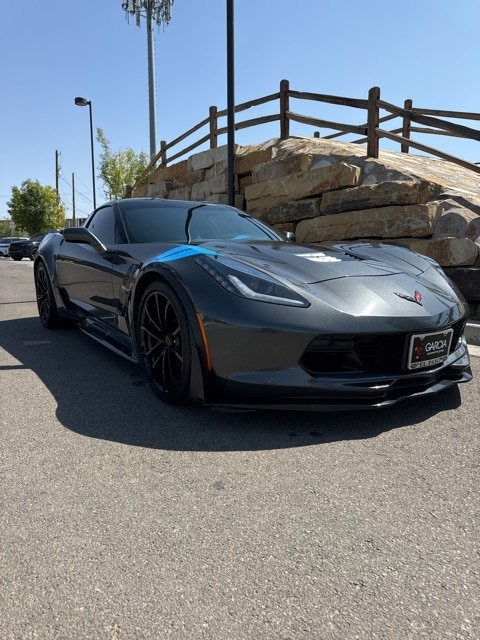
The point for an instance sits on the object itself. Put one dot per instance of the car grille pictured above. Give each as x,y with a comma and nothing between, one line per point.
367,353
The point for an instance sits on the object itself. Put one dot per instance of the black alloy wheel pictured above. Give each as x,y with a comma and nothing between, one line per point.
47,307
163,339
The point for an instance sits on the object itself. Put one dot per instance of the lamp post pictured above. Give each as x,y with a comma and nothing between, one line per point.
230,103
82,102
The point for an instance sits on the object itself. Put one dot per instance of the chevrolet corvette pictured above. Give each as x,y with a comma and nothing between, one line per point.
221,309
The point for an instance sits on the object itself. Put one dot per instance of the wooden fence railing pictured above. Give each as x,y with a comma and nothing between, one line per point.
432,121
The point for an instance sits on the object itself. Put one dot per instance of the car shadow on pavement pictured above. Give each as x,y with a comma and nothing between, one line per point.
101,395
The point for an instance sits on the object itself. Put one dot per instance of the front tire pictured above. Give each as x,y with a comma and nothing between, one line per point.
163,339
47,307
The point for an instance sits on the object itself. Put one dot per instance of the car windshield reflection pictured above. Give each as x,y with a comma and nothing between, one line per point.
190,224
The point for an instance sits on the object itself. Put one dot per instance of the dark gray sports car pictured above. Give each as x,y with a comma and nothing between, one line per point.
221,309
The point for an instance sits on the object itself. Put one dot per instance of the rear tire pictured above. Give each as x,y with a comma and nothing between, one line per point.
47,307
163,339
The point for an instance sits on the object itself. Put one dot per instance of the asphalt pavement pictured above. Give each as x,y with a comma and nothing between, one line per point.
122,518
472,332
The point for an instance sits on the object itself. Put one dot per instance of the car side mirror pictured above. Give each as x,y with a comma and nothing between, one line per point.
84,236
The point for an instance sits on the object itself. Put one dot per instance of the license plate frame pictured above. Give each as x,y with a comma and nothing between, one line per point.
429,349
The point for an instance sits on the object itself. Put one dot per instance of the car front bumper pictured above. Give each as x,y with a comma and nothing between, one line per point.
278,381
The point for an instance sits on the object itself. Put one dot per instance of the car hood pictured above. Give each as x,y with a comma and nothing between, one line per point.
310,264
356,279
22,243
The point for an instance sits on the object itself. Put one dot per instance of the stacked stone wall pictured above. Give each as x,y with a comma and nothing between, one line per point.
326,191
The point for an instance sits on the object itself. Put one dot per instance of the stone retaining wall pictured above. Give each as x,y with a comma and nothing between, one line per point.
328,191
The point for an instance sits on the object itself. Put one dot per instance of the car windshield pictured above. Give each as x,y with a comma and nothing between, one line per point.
191,222
10,239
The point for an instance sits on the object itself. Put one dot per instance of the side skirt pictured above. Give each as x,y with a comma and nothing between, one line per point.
109,339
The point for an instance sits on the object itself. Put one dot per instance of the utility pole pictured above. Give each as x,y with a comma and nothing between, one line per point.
57,173
158,12
74,224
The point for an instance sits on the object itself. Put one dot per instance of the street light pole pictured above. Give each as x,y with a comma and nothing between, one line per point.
230,103
83,102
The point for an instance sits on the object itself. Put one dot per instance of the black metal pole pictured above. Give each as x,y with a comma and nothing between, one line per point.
230,103
93,159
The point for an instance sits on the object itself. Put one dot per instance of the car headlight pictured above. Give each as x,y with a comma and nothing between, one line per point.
246,281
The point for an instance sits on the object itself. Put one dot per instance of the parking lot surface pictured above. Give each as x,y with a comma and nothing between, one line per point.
123,518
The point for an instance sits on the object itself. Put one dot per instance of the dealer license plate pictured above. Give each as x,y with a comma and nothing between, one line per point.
429,349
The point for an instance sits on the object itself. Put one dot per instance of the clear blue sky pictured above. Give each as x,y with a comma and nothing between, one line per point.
51,52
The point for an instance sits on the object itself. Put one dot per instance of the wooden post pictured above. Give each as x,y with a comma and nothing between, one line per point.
407,105
163,153
212,114
284,108
372,126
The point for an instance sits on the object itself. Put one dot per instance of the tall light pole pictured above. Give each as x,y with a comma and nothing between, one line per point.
83,102
160,12
230,103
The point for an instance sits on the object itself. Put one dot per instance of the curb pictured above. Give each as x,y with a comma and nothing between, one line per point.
472,332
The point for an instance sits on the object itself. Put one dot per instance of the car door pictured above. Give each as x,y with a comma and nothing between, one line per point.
84,274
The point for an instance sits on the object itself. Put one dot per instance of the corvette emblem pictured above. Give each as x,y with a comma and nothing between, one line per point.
417,297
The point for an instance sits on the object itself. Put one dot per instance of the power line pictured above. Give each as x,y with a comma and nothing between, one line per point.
68,200
86,197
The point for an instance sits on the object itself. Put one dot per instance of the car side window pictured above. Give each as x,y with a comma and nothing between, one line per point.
102,225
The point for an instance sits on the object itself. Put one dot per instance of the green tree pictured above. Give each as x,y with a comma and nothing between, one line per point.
36,208
120,169
7,229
